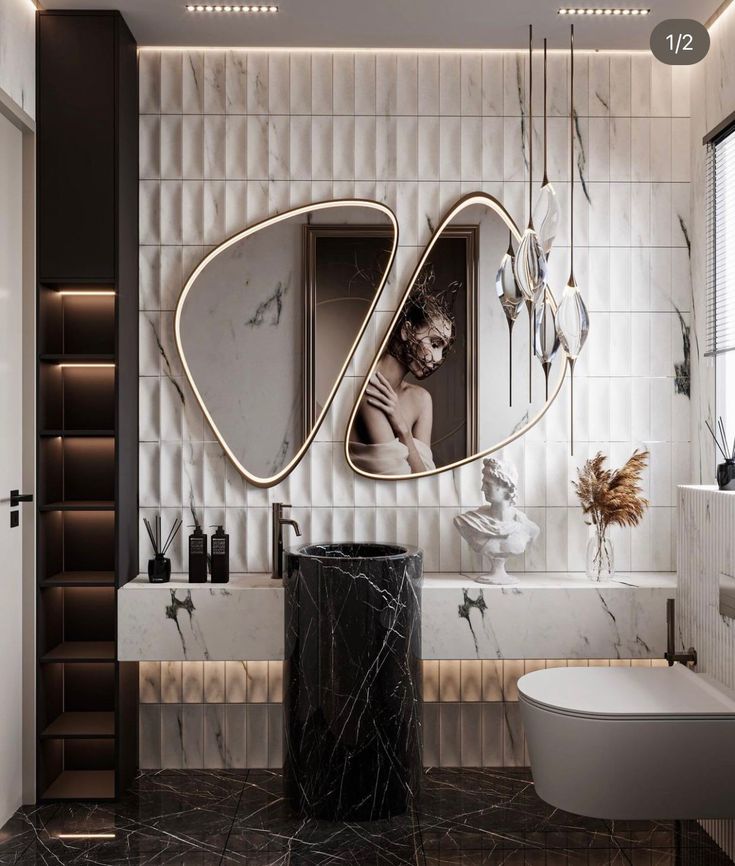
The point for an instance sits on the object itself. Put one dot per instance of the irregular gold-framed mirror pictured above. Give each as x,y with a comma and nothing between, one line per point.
269,320
448,384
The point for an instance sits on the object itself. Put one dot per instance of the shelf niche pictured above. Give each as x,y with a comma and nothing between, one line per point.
87,400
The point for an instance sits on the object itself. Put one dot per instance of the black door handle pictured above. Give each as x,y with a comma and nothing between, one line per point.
16,498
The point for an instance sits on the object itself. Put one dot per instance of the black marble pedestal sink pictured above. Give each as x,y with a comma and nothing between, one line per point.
353,681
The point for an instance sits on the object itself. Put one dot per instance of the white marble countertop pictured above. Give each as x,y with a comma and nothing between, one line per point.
544,615
554,580
435,580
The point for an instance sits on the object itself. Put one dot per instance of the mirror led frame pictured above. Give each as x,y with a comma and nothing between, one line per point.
474,198
270,481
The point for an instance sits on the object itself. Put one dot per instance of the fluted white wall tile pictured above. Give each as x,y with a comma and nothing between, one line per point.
172,737
256,735
275,736
365,95
149,683
171,82
235,723
236,82
321,84
492,735
149,90
450,735
257,83
192,682
386,84
214,82
407,84
171,682
192,82
149,734
343,148
471,735
599,85
192,717
343,83
214,746
430,734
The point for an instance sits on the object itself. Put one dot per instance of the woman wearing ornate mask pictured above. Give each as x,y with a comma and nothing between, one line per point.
392,430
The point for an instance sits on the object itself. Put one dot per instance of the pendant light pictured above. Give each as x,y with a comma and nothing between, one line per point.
545,336
530,262
572,320
511,300
546,212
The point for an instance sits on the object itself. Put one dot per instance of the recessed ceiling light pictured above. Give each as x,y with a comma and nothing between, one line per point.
191,7
601,10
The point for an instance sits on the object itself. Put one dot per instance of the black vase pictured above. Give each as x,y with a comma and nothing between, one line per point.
159,569
726,475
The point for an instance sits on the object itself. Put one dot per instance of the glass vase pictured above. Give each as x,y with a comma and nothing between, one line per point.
600,560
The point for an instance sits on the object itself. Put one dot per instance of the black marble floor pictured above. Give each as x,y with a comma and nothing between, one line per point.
466,818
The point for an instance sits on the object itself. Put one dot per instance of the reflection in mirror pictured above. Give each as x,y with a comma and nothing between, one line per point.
441,390
269,320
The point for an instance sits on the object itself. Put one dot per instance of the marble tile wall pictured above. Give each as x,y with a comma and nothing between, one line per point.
706,520
228,137
229,714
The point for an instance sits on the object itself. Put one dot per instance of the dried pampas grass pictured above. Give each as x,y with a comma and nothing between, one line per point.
612,497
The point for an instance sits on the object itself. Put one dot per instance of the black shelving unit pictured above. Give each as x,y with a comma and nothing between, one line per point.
87,156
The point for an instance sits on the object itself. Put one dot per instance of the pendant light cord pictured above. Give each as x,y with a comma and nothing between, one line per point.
571,155
546,176
530,125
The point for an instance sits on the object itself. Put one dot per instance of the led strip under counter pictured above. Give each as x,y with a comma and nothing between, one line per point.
546,615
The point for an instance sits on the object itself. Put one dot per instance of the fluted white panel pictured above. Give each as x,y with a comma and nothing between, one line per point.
706,550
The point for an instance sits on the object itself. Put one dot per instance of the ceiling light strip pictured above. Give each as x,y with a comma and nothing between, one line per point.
199,7
609,11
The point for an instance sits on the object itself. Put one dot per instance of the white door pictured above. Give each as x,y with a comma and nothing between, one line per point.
11,429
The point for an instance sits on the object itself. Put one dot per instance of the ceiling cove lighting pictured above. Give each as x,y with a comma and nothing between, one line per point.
198,7
602,11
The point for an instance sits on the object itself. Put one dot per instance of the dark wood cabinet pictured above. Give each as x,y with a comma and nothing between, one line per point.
87,206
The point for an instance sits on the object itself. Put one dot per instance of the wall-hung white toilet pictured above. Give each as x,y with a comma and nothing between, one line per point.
631,743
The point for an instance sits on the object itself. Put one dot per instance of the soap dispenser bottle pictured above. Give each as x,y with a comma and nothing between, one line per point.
197,556
220,556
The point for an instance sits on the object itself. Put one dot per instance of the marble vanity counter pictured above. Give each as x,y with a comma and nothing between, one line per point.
547,615
182,621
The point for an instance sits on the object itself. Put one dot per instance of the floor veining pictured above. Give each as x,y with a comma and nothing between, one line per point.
465,817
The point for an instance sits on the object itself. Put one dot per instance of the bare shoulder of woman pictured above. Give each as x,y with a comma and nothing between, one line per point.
371,426
420,398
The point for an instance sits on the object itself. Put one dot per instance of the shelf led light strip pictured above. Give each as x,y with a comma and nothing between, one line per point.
198,7
598,10
83,293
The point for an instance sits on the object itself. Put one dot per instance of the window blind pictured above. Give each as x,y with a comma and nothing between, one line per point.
720,192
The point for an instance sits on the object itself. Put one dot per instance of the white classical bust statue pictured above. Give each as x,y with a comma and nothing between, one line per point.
497,530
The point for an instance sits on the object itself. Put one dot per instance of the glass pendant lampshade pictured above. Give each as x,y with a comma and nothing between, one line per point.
529,265
546,211
572,327
545,336
511,300
546,216
572,320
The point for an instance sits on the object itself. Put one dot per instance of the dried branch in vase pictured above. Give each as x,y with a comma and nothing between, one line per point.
610,497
